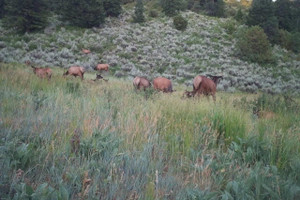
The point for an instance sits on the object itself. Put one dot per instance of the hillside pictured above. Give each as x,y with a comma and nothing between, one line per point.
156,48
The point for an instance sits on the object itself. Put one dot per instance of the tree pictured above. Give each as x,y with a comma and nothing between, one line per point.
295,15
112,7
84,13
171,7
1,9
25,15
253,45
262,13
283,14
215,8
139,12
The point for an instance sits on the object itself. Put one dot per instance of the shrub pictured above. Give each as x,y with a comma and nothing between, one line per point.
180,22
253,45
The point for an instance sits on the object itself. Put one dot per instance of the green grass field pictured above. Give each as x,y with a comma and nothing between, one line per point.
72,139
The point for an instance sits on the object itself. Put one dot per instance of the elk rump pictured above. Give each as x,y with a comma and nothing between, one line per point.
163,84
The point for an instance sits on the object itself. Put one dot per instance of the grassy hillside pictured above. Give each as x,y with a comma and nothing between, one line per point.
72,139
156,48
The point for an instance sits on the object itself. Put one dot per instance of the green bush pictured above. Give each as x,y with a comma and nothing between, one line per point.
180,22
253,45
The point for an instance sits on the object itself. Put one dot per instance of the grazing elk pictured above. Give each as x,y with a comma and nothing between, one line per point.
204,85
141,82
163,84
75,71
102,67
42,72
85,51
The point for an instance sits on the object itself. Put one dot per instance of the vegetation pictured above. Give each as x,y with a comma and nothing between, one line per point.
180,22
171,7
139,12
253,44
25,15
72,139
84,13
112,7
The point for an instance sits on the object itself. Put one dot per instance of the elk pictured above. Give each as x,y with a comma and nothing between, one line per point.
163,84
42,72
85,51
101,67
141,82
75,71
204,85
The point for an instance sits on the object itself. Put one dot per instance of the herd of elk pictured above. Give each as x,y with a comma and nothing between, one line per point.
202,85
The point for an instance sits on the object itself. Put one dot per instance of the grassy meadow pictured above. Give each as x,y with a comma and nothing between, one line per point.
72,139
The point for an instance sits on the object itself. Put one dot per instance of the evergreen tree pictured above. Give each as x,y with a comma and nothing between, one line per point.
262,13
139,12
1,8
283,14
239,16
215,8
83,13
171,7
112,7
295,15
25,15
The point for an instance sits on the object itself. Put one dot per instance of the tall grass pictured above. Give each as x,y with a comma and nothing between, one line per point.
72,139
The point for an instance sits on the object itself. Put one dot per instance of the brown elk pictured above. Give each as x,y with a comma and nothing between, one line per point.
42,72
163,84
102,67
75,71
141,82
204,85
85,51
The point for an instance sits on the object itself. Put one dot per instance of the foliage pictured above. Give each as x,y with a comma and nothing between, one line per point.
253,45
1,9
283,14
112,7
25,15
295,15
171,7
83,13
139,12
239,16
215,8
262,13
180,22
